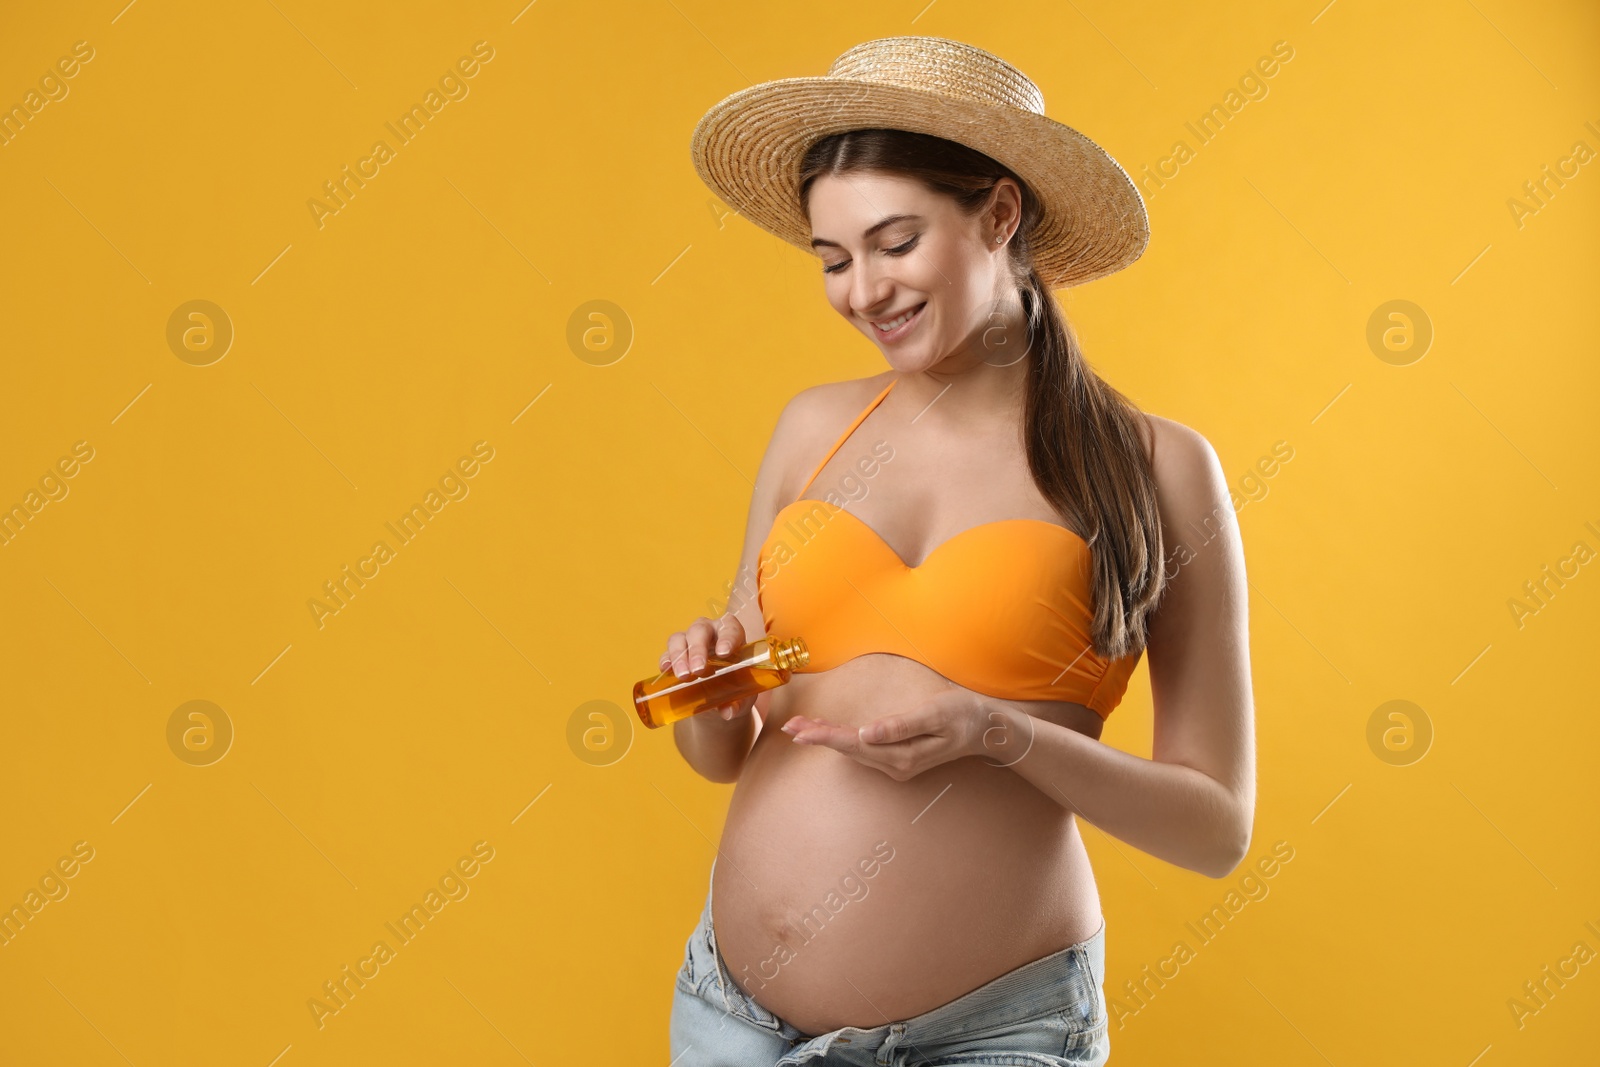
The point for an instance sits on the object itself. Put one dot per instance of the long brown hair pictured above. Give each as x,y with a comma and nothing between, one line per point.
1084,443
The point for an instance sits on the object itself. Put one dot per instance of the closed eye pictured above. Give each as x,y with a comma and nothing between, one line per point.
898,250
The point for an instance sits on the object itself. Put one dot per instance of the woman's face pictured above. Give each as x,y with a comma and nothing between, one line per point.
889,245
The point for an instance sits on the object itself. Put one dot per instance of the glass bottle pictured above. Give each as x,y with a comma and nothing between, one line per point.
765,663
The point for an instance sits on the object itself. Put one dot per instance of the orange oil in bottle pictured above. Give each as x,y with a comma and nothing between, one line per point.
765,663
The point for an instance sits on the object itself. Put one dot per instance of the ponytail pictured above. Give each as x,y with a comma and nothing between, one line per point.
1088,456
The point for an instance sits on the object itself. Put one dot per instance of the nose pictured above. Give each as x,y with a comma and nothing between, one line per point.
870,288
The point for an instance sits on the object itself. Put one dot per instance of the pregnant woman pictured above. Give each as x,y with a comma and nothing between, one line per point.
902,879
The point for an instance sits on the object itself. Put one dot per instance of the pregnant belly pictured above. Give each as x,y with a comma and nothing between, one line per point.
842,897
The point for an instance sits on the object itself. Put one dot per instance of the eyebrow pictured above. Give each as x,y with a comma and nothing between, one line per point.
869,231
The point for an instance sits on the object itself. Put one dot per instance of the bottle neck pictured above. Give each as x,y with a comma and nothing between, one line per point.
788,653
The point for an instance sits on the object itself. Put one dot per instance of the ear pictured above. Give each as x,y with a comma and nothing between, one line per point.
1004,214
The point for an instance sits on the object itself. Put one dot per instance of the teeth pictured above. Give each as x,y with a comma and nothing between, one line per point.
885,327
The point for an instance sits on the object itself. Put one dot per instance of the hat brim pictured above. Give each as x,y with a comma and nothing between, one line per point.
747,149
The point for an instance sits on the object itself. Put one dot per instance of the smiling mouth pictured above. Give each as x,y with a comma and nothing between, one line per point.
887,325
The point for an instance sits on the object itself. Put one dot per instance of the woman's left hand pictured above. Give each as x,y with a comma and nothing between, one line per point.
947,726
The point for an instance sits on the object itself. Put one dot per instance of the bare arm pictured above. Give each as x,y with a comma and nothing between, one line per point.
1193,804
715,743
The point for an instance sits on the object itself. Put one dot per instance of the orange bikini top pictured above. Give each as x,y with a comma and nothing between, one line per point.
1003,608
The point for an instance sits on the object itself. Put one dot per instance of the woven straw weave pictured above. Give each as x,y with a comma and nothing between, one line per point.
747,148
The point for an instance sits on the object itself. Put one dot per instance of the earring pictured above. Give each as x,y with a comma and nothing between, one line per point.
1000,239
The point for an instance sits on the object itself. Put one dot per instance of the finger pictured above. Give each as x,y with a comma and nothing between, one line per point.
929,719
699,637
677,657
935,717
890,730
800,723
819,732
730,634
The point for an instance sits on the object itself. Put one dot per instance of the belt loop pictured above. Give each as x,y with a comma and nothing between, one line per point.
889,1054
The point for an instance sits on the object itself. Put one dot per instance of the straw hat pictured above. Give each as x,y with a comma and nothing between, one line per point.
748,147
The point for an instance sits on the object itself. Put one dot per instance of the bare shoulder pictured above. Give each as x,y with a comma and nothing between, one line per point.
814,416
1189,478
812,419
1189,483
832,404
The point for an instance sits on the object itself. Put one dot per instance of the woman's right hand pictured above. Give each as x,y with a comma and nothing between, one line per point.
689,650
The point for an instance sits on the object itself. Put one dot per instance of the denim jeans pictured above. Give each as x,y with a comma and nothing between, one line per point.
1047,1013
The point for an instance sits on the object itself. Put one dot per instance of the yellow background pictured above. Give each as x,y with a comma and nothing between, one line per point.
430,312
